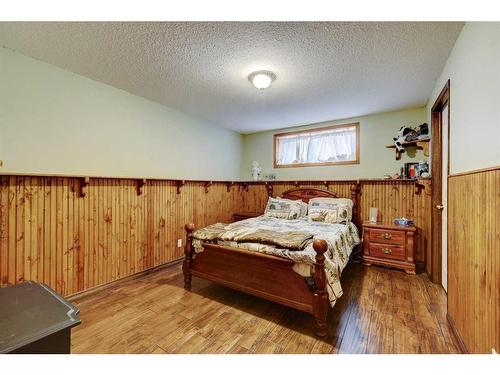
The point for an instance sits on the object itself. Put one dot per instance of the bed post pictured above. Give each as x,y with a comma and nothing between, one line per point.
355,199
188,252
320,298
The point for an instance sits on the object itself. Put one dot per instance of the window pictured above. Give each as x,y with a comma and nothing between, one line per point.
337,144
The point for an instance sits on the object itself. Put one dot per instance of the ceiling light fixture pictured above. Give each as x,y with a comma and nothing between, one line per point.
262,79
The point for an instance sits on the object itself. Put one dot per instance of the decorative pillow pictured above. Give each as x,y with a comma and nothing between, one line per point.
303,206
282,209
330,210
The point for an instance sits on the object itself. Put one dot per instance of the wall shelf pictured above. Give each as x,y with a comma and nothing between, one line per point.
421,145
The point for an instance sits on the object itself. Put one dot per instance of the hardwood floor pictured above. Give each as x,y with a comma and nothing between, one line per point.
381,311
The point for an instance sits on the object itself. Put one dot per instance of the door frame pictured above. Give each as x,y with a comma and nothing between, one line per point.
443,100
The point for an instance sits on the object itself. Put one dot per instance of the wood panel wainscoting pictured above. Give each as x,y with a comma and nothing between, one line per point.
77,233
50,232
393,198
474,258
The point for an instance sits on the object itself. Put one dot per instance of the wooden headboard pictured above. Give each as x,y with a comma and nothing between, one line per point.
305,194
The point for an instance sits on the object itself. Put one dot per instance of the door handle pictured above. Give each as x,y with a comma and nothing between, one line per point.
439,206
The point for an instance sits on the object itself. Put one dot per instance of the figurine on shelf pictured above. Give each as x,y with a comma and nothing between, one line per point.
422,168
408,134
401,136
422,132
256,170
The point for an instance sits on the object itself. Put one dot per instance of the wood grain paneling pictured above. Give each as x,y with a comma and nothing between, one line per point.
50,232
474,259
392,198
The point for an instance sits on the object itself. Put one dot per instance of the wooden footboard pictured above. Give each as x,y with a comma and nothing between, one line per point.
262,275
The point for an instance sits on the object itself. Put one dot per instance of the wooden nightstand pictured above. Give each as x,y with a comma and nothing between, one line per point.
245,215
390,245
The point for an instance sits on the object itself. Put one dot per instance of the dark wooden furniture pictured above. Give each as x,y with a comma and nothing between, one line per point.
35,320
267,276
238,216
389,245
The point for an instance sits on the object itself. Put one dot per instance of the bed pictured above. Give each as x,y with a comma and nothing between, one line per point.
308,280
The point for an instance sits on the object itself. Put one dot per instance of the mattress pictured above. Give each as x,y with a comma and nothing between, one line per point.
341,239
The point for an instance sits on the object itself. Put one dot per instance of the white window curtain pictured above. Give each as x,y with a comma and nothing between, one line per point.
326,146
287,151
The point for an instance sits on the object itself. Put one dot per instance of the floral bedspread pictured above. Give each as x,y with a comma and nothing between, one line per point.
341,239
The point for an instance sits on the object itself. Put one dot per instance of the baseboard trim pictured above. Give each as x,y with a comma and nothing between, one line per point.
99,288
461,344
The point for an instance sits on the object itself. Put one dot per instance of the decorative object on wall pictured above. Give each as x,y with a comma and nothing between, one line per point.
401,136
419,187
410,170
256,171
407,134
229,185
422,169
421,132
411,137
180,183
140,186
84,184
207,186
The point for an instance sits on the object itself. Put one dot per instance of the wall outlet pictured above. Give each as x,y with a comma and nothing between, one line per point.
179,242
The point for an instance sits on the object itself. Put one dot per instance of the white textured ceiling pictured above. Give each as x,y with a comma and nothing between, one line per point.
325,71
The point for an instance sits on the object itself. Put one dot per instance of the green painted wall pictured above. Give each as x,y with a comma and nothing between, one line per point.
473,69
376,132
53,121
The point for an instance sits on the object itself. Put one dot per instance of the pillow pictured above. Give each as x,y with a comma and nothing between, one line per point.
330,210
303,206
282,209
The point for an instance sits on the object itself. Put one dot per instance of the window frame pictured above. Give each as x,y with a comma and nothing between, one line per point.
324,128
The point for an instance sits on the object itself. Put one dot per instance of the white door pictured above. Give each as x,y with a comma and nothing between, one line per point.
444,200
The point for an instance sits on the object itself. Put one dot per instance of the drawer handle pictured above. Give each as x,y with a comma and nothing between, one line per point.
386,250
386,236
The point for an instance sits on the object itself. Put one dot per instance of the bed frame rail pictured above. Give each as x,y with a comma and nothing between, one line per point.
261,275
267,276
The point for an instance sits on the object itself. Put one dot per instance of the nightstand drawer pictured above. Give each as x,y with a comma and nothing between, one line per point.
394,237
387,251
